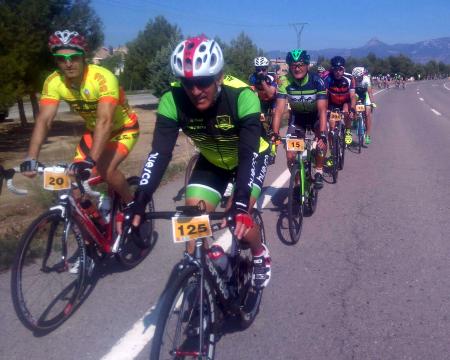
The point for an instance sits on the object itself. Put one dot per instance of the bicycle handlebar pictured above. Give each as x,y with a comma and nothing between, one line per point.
8,175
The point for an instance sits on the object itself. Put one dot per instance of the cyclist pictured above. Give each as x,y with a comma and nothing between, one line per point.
221,115
322,72
306,94
341,93
264,84
94,93
363,89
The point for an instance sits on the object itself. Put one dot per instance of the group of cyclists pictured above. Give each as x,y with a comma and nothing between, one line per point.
388,80
222,115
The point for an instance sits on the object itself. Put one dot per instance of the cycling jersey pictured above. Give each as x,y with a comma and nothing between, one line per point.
99,85
339,89
362,85
302,95
227,134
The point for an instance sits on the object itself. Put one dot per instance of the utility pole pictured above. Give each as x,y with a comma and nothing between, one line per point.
298,27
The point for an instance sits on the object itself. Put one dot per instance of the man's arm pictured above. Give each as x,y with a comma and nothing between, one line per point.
279,110
43,124
103,128
322,106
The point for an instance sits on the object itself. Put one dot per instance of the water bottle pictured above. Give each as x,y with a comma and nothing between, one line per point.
220,261
105,206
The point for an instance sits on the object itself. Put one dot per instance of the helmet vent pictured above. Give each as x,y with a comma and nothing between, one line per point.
213,60
198,63
202,48
180,49
188,65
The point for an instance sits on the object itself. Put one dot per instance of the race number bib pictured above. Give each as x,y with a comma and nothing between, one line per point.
295,145
190,228
334,116
360,108
56,179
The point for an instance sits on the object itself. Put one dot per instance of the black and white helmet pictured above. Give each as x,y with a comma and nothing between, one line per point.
261,61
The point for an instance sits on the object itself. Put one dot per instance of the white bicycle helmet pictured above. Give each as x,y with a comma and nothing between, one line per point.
358,71
320,69
261,61
197,56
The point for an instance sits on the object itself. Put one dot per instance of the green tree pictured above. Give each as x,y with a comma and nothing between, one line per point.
157,34
24,29
113,63
239,56
159,73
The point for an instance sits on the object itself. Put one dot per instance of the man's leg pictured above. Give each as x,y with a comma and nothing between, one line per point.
107,167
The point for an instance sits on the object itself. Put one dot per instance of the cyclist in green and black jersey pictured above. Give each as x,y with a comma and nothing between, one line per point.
221,115
307,98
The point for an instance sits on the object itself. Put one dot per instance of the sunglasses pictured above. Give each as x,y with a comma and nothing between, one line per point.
199,83
259,69
338,68
62,58
298,66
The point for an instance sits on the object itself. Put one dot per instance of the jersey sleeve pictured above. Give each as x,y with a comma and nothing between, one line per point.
249,138
164,139
50,94
320,88
107,85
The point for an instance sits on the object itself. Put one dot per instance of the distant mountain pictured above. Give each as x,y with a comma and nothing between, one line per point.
421,52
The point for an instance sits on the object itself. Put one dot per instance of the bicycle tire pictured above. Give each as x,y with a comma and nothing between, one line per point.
335,154
37,248
342,148
360,133
251,299
136,248
189,169
175,301
295,206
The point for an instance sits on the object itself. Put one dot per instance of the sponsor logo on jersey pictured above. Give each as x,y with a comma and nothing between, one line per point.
224,122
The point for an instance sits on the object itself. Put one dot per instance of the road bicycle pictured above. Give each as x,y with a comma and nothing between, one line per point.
199,292
57,253
302,195
337,143
360,124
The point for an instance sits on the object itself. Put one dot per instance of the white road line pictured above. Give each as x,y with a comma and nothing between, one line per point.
445,85
377,92
436,112
421,99
418,93
132,343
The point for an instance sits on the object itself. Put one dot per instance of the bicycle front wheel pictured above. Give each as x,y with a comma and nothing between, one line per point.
335,154
295,205
48,272
341,148
186,325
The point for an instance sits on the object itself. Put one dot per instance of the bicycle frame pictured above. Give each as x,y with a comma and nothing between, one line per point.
304,162
71,206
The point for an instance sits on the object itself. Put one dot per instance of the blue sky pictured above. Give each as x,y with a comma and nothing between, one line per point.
338,23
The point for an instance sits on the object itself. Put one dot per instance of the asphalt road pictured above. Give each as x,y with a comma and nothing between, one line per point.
369,279
135,99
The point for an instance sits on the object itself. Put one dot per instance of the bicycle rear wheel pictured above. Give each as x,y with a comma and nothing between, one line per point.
134,248
48,272
186,326
295,205
251,298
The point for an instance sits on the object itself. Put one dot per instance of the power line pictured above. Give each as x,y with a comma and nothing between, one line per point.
298,27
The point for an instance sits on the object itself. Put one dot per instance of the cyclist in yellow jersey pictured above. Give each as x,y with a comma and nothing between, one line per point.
94,93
